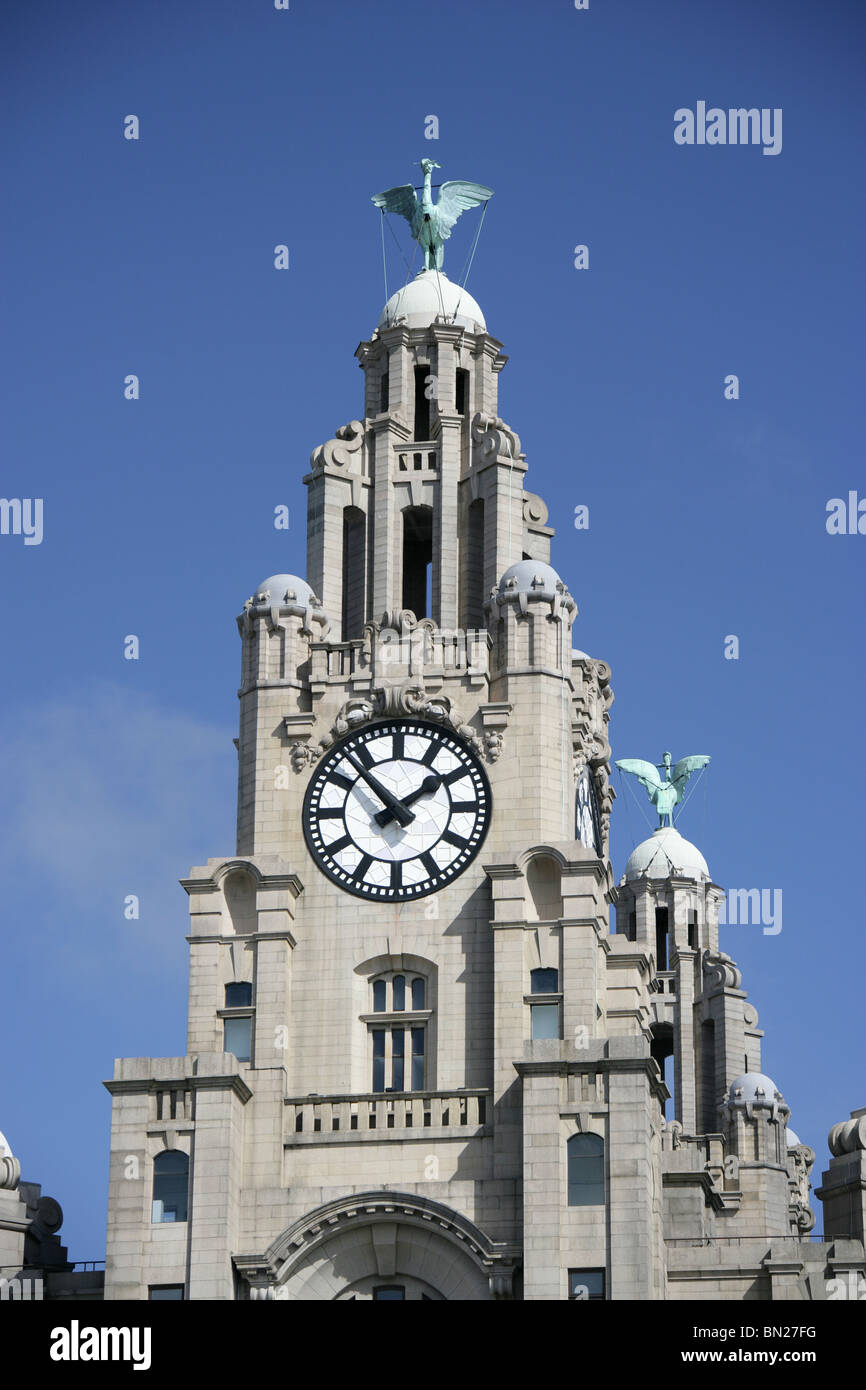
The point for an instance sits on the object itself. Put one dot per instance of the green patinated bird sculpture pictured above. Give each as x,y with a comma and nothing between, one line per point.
664,792
432,223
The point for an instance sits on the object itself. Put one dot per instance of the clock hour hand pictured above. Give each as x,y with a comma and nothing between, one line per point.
396,810
427,787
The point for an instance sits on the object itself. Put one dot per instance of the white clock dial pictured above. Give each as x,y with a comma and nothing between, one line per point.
397,810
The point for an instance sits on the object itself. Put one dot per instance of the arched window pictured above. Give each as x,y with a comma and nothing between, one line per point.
585,1170
170,1186
398,1035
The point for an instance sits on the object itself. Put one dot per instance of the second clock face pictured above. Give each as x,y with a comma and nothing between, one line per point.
397,810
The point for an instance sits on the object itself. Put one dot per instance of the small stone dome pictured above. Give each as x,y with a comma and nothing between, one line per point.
792,1140
284,589
753,1088
664,854
5,1150
429,296
530,577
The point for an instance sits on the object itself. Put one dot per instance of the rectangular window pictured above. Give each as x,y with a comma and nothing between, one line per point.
388,1292
378,1059
461,390
161,1293
586,1285
693,930
422,403
238,1037
398,1038
661,938
417,1059
545,1020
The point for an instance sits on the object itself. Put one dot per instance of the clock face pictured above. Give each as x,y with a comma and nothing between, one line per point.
587,827
397,810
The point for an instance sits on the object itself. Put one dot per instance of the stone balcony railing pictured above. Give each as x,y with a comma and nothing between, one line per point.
348,1118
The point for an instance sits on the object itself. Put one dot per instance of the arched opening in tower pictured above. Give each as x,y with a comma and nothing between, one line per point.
353,573
418,560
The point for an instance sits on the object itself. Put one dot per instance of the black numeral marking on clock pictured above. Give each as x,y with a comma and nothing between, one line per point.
396,874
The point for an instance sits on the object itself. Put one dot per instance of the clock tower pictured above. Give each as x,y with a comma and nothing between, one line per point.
419,1065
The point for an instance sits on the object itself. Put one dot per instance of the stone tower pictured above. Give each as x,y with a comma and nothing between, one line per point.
419,1065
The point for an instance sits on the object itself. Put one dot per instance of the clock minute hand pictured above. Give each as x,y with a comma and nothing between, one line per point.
427,787
396,809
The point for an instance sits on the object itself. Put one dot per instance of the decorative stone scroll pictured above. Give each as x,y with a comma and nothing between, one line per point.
492,439
341,451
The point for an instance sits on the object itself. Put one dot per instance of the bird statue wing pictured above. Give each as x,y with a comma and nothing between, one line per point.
402,200
455,197
683,770
645,773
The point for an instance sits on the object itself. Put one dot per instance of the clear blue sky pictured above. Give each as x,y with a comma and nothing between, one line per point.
707,516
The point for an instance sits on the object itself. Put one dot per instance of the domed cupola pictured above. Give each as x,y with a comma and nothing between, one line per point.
430,298
666,854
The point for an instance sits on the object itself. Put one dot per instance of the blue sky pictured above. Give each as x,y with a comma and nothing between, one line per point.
707,516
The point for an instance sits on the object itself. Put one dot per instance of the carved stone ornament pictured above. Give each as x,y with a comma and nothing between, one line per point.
341,451
721,972
492,438
399,701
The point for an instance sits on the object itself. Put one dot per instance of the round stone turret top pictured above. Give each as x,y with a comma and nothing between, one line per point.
664,855
5,1150
284,590
429,296
287,593
792,1140
753,1088
530,577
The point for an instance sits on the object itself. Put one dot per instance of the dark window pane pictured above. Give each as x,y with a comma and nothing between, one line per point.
544,981
419,994
379,1059
585,1170
417,1059
399,993
586,1285
545,1020
398,1039
239,995
161,1293
238,1036
379,996
389,1293
170,1186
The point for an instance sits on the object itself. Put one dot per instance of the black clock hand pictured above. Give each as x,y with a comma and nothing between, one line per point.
396,809
428,786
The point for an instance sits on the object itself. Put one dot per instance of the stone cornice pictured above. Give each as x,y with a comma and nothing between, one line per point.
149,1085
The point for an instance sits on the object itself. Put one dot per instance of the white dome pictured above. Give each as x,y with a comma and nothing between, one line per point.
530,577
280,586
5,1151
753,1088
429,296
664,854
792,1141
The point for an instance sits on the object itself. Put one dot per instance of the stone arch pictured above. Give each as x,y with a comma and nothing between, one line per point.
543,872
353,1240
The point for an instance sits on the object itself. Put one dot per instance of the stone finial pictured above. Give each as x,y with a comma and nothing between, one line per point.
850,1135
